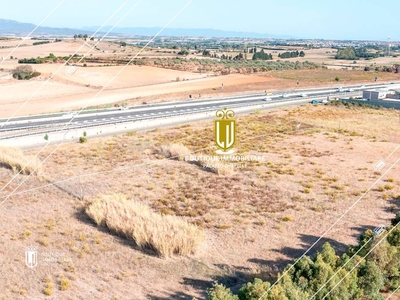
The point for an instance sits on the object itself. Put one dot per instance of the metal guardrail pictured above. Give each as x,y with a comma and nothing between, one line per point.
185,101
158,117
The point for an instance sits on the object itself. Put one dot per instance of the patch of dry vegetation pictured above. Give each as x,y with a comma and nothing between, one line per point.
166,235
15,159
176,151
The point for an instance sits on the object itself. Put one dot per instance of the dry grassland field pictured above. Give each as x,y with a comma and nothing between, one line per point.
235,224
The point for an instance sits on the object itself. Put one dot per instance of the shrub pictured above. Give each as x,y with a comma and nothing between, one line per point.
64,284
14,159
82,139
48,291
164,234
24,72
219,292
176,151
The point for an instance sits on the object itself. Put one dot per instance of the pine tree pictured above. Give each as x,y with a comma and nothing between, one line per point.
370,278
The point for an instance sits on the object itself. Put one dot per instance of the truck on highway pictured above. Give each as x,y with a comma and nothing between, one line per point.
339,89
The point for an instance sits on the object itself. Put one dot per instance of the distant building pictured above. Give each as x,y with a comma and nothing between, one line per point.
374,95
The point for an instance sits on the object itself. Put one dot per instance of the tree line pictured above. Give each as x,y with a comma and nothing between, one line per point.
363,272
351,53
290,54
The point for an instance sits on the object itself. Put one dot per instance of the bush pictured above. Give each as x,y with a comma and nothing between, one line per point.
24,72
165,235
15,159
82,139
176,151
64,284
219,292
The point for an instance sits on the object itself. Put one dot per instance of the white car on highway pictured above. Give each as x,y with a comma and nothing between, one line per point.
267,99
285,96
303,95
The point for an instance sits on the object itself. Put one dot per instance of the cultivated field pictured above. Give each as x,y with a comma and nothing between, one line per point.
255,219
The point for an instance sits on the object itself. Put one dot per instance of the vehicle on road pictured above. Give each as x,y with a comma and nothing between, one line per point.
324,101
314,101
303,95
69,115
123,108
285,96
339,89
349,90
267,99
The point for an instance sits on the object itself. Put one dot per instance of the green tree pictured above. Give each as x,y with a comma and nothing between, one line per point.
347,53
370,278
253,290
220,292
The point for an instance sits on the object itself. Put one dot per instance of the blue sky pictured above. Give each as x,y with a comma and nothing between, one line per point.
339,19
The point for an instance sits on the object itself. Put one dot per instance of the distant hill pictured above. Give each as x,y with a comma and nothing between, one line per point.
177,32
10,27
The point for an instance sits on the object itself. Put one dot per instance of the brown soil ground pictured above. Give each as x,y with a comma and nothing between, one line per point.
257,219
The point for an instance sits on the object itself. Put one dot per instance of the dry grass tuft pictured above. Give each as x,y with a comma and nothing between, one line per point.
177,151
166,235
15,159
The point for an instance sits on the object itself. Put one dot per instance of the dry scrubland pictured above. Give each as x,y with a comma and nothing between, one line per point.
255,219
